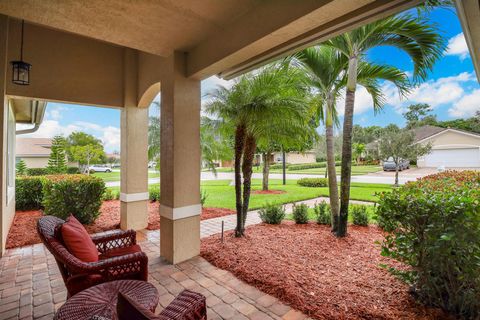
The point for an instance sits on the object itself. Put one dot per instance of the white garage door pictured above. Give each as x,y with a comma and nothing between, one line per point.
453,158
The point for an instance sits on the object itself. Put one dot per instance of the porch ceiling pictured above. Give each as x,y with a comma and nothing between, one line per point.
220,36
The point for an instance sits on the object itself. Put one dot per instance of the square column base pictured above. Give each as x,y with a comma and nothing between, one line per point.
179,239
134,215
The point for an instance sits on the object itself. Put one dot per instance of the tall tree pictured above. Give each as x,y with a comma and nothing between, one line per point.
400,146
358,151
269,97
87,154
154,133
57,161
413,35
215,143
79,138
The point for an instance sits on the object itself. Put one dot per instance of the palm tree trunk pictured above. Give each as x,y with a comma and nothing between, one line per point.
346,171
266,170
249,154
239,147
332,175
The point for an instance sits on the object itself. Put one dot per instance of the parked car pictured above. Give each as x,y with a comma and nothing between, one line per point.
99,168
389,165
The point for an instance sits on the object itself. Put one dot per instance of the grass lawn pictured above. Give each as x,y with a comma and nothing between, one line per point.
311,215
356,170
115,176
222,195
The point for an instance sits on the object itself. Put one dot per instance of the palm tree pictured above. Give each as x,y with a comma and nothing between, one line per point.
215,144
271,97
327,76
358,150
416,37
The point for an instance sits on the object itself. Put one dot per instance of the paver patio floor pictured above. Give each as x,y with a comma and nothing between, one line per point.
31,286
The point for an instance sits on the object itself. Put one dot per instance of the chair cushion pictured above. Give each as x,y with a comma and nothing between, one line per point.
78,241
117,252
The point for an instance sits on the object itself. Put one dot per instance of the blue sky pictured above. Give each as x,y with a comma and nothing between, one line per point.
452,89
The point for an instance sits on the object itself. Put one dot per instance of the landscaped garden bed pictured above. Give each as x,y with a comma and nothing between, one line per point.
23,231
323,276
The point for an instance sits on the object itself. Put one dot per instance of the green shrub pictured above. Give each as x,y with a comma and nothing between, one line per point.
108,195
433,226
73,170
79,195
303,166
313,182
323,213
154,193
203,196
272,214
360,215
37,171
28,193
300,213
278,166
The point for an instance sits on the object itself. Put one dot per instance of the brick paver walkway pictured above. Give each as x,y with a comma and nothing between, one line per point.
31,286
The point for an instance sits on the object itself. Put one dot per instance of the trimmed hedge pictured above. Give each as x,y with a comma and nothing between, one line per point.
37,171
433,226
313,182
79,195
28,193
305,166
279,166
73,170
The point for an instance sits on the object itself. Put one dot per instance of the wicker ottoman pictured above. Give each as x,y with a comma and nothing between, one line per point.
101,300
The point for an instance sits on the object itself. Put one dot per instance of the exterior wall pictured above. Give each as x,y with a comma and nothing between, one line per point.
41,162
450,140
296,157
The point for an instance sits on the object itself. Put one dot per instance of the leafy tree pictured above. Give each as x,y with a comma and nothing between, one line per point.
269,97
365,135
419,115
414,36
154,134
85,155
57,161
79,138
215,144
21,168
400,145
470,124
358,150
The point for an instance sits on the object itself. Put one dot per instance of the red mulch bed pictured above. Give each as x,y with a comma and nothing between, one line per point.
268,192
24,228
308,268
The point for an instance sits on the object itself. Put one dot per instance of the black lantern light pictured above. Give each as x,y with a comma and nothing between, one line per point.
21,69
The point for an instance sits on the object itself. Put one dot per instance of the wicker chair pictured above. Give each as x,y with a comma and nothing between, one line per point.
188,305
115,261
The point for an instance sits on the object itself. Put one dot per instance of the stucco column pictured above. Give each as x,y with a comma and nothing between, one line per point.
180,162
133,152
4,224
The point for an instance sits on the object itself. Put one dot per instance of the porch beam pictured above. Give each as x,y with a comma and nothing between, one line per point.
179,162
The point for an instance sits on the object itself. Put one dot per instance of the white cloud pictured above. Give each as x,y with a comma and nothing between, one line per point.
111,138
363,101
457,46
213,82
443,91
467,105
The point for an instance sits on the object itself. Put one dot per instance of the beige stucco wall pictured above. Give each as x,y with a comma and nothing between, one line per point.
451,139
297,157
41,162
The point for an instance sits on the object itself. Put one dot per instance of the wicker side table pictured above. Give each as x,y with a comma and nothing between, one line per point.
101,300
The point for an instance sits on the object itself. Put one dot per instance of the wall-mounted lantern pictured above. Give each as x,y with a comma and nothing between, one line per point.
20,68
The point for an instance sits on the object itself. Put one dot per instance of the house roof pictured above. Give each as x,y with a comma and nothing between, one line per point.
425,132
33,147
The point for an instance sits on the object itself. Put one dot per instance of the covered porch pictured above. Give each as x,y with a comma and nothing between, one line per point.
123,54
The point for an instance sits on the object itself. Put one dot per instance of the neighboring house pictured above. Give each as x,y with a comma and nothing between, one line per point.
296,157
35,152
451,148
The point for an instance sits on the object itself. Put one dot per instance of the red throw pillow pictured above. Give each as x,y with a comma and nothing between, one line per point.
77,240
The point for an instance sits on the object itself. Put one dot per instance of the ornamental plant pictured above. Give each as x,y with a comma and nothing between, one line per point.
359,215
79,195
323,214
28,193
300,213
313,182
433,226
272,214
